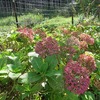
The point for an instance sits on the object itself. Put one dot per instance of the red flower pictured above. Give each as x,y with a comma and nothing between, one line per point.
74,34
65,31
41,33
26,32
47,46
83,45
76,77
87,38
73,44
73,41
88,62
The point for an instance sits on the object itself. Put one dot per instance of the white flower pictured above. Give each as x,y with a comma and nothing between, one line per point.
33,54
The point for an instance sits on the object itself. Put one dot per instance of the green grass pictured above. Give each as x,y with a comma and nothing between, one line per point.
7,23
49,25
36,21
56,21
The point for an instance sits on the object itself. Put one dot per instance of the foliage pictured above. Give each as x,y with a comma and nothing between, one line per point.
6,23
26,75
88,7
49,25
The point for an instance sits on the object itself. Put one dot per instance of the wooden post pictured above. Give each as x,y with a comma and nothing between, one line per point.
72,13
72,18
48,8
15,13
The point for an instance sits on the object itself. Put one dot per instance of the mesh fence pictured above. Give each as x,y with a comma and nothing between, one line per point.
48,8
45,7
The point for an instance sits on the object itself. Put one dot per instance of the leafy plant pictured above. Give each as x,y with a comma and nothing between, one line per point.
33,66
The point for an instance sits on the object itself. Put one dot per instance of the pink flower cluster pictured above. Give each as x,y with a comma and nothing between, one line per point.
41,33
48,46
65,31
83,45
74,33
81,40
76,77
68,32
88,62
76,42
73,41
87,38
72,44
26,32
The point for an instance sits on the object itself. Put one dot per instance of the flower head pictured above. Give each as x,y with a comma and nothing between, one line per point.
26,32
88,62
48,46
66,31
74,34
73,44
41,33
76,77
83,45
87,38
73,41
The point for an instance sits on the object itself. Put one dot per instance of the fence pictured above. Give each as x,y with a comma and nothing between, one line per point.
46,7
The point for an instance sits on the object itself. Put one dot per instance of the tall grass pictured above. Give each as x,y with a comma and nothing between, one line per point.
7,23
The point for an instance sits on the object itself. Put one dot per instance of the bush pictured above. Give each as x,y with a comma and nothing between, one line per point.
59,66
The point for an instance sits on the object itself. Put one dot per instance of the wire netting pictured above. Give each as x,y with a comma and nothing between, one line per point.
45,7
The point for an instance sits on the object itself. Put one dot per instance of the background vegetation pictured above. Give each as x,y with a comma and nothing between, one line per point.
35,57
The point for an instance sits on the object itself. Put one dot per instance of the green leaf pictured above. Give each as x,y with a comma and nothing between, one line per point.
54,73
88,96
13,36
36,88
3,96
23,88
37,63
24,95
2,62
3,71
52,61
56,83
98,63
14,75
14,68
11,59
44,67
58,97
14,64
70,95
29,77
3,74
